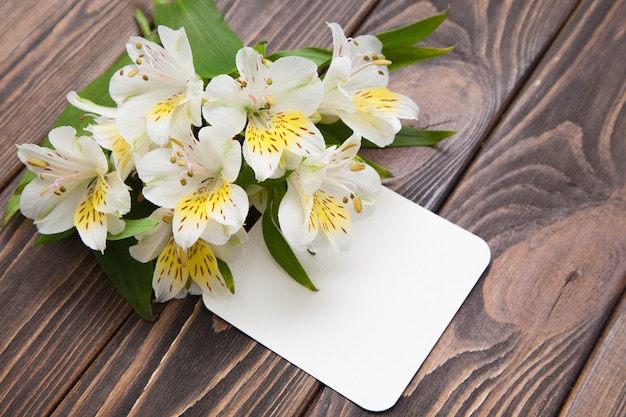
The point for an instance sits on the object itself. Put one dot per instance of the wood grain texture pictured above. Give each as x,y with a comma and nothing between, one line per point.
58,309
188,362
548,193
601,388
497,44
60,46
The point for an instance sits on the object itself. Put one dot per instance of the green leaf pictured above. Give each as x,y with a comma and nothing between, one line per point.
246,176
45,239
227,275
320,56
335,133
276,243
260,47
134,227
130,277
213,42
401,57
382,171
411,34
143,24
412,136
12,206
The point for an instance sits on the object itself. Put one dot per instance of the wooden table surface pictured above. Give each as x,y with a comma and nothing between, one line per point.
536,91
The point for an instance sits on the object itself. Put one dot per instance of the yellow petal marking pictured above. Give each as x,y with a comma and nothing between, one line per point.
193,209
382,98
170,269
86,214
203,268
165,108
329,213
121,152
219,202
273,133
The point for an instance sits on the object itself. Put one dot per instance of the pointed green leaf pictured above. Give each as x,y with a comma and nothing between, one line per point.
143,24
213,42
134,227
261,47
227,275
335,133
411,34
381,170
401,57
45,239
276,243
246,176
130,277
13,204
412,136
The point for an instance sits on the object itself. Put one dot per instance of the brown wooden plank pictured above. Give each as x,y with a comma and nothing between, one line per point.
497,43
281,395
188,361
288,400
58,309
601,388
548,193
55,47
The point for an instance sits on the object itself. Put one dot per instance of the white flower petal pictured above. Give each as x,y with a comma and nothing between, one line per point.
87,105
117,197
51,213
251,69
218,153
268,135
293,215
376,129
215,233
225,104
204,270
115,225
295,85
366,44
162,178
176,43
170,273
152,242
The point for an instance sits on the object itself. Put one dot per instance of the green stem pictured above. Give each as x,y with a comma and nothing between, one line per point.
144,26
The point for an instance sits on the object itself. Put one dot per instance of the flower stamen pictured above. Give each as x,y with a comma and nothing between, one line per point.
357,167
37,162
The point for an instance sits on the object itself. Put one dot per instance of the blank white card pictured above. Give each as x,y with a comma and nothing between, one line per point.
380,308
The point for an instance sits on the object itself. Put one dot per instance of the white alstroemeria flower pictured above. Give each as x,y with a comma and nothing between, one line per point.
324,195
355,89
124,150
73,188
180,271
196,180
276,100
161,87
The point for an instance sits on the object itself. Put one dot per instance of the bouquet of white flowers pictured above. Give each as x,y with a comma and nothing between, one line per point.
161,162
